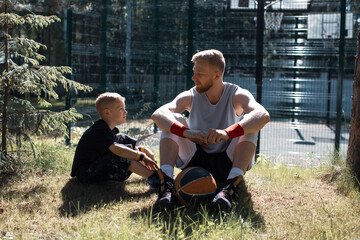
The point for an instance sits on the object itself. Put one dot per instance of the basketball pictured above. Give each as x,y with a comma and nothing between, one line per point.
194,186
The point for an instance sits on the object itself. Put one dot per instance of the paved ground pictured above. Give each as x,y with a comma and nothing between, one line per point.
291,143
300,144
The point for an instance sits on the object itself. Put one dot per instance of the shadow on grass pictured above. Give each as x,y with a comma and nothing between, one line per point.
6,178
80,197
241,214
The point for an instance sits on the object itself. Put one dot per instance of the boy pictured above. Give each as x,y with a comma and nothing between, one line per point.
104,154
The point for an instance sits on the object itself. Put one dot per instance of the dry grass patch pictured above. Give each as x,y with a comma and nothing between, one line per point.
278,203
296,203
55,206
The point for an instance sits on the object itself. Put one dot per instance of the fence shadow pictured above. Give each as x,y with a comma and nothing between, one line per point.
80,197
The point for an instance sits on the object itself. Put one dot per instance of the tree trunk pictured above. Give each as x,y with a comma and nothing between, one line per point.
6,90
353,155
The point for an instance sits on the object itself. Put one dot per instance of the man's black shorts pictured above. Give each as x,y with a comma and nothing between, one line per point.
218,164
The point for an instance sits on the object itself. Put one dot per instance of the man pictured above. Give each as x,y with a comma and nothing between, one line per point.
218,135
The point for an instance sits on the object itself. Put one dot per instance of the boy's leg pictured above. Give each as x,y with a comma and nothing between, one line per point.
109,167
140,169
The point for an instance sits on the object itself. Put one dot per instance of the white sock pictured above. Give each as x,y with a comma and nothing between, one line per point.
168,170
234,172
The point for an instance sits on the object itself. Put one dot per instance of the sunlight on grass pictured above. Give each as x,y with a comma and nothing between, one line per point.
278,202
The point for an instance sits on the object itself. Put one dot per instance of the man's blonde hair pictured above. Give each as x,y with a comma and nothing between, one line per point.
213,57
104,101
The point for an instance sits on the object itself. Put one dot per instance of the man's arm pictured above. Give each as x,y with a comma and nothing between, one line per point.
164,116
166,121
255,118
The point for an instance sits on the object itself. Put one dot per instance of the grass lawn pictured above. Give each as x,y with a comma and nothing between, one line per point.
278,202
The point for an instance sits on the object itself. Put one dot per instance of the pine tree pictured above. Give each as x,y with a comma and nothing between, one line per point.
25,79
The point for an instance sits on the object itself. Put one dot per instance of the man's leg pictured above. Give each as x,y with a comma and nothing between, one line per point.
174,150
241,153
169,152
168,155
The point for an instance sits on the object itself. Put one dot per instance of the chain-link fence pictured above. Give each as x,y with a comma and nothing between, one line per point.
142,50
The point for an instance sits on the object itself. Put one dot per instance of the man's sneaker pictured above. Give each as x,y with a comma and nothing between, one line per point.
222,200
164,200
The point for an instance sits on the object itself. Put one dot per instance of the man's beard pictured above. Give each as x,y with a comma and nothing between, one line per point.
202,89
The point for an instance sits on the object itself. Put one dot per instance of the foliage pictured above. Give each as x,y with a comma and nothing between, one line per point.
25,79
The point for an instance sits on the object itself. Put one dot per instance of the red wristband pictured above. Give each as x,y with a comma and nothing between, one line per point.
234,131
178,129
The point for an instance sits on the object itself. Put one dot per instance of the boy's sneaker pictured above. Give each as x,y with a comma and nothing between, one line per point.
164,200
154,181
223,198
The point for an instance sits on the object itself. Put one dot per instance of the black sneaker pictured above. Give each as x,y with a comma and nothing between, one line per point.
222,200
154,181
164,201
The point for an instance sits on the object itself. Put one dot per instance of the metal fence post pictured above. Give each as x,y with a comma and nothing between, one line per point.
128,44
103,45
68,46
156,58
259,56
190,44
340,76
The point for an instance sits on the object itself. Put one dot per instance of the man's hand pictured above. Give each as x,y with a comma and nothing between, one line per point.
215,136
196,136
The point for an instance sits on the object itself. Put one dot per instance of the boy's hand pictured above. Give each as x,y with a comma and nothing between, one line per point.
150,163
147,152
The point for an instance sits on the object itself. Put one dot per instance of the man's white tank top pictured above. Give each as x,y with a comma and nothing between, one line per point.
205,115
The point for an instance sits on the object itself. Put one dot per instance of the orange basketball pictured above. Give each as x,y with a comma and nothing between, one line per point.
194,186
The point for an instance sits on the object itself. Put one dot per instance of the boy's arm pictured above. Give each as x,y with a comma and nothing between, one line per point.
126,152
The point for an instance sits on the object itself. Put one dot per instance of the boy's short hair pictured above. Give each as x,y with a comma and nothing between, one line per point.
213,57
105,99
